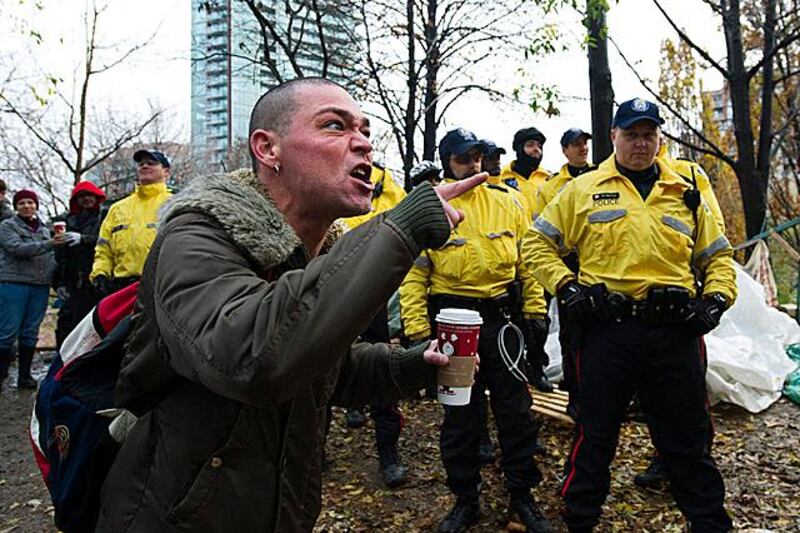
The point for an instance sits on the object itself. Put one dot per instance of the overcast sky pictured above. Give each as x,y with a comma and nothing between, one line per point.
160,73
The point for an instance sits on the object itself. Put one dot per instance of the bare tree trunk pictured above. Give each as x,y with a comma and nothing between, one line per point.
431,85
753,192
411,108
600,88
765,137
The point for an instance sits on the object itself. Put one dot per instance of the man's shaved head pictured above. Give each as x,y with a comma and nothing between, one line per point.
274,110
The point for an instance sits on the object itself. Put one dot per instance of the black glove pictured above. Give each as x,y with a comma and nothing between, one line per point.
706,313
534,331
103,286
575,302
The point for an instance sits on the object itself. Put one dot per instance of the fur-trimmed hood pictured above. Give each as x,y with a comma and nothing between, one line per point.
240,203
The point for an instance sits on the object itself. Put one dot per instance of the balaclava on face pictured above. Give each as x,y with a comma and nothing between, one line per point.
524,163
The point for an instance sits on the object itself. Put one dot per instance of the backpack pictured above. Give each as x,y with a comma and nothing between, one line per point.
70,436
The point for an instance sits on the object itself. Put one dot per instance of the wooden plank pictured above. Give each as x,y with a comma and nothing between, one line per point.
557,396
551,399
552,404
558,416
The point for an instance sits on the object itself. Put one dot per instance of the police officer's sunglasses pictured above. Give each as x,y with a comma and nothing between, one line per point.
467,158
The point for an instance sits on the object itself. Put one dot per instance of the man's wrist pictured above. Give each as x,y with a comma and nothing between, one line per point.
410,371
421,217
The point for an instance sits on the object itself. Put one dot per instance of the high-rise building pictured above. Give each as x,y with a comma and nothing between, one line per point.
721,108
230,70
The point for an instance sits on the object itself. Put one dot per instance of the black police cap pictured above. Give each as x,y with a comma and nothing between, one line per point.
632,111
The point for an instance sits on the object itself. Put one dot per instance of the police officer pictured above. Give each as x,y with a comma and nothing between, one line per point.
524,172
639,230
425,171
535,331
474,270
575,146
655,474
387,418
129,229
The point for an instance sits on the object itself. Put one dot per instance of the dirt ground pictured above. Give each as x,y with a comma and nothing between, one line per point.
759,456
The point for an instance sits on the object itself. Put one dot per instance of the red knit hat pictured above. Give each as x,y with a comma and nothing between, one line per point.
26,194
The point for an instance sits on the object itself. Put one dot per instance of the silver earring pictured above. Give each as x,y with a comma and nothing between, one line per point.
277,168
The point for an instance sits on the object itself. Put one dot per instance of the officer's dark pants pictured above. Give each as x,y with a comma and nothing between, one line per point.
511,405
80,303
665,363
388,419
388,424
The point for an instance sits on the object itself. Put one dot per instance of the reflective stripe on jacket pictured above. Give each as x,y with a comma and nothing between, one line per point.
628,243
479,261
127,233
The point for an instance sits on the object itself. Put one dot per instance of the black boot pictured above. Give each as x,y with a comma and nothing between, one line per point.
464,514
393,473
24,379
528,514
653,477
5,362
541,383
355,418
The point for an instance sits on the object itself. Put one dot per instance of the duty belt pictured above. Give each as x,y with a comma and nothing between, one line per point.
663,305
498,307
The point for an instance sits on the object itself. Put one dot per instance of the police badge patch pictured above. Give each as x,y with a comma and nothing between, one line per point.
639,105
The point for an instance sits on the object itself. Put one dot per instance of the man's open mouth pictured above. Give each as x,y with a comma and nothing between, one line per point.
362,172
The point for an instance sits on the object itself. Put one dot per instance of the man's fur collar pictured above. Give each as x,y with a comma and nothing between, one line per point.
240,203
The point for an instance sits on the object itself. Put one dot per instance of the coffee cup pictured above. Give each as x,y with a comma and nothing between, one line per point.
59,228
457,334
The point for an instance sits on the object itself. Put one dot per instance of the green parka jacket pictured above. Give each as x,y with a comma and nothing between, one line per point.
249,339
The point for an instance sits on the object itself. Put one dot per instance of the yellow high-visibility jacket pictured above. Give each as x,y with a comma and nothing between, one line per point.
528,186
480,260
689,169
551,187
127,233
628,243
514,192
390,196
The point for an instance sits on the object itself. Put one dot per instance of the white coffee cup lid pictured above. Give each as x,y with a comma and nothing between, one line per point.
466,317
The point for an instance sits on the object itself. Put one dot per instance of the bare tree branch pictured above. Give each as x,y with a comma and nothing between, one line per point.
685,38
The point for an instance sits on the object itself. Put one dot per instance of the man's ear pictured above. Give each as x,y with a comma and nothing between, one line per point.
613,135
265,147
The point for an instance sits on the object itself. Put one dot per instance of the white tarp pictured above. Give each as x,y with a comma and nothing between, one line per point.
747,361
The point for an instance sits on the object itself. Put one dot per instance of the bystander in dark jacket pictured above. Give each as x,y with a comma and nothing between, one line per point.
74,261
